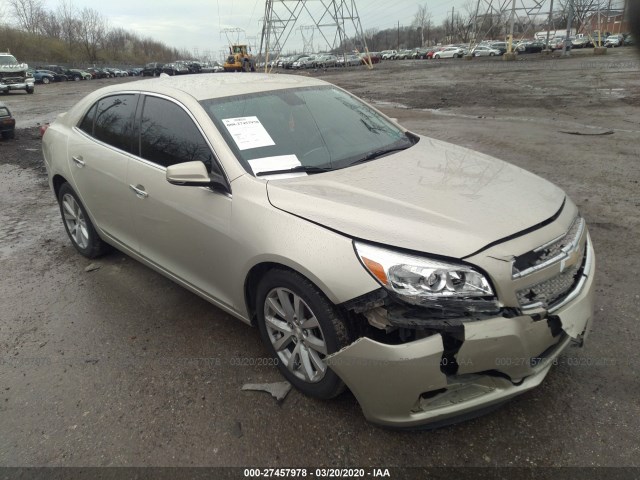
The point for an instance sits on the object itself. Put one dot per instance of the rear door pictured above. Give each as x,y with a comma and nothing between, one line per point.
99,151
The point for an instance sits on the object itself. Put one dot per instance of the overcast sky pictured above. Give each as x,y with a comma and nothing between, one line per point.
196,24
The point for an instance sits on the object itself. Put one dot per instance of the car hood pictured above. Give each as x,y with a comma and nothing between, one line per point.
434,197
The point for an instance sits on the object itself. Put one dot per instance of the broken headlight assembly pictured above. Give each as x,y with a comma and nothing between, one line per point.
428,282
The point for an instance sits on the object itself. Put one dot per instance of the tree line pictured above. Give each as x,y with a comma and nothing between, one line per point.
70,35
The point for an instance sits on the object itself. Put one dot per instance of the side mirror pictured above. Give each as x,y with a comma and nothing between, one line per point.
189,174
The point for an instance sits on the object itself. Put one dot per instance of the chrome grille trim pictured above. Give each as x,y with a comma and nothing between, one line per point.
586,265
575,233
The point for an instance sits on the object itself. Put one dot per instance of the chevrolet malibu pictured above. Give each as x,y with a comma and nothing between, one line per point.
432,281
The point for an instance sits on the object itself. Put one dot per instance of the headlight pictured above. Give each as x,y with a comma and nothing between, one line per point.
420,280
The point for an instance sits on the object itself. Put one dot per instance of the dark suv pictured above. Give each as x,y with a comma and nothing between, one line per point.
152,69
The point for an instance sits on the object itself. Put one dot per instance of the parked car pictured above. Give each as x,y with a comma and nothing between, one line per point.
348,60
7,122
403,54
614,41
629,39
57,77
388,54
579,42
213,67
77,75
373,57
43,76
449,52
98,73
530,47
419,53
175,68
152,69
596,39
431,280
325,60
485,51
500,46
301,63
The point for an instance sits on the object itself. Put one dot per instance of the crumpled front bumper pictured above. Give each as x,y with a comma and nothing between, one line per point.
405,386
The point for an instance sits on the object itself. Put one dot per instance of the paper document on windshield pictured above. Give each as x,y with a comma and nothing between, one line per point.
248,132
282,162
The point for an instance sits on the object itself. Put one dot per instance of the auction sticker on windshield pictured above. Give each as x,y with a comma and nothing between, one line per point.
248,132
281,162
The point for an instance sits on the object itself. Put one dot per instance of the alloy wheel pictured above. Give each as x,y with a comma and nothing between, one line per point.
75,221
295,333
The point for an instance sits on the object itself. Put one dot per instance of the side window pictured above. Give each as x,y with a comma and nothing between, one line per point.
169,136
114,121
87,122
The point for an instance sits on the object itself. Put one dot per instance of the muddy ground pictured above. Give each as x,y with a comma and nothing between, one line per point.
105,367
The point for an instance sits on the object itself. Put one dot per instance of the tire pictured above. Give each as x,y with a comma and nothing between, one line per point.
289,343
30,90
76,222
491,54
45,80
76,78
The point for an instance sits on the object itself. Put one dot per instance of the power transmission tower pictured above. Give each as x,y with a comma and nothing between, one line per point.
230,33
307,32
281,16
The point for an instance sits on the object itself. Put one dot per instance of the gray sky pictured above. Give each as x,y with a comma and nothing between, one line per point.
196,24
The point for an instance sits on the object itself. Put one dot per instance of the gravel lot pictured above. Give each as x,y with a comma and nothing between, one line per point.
106,367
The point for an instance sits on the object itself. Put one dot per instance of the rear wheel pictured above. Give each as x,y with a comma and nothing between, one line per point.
301,327
81,231
45,80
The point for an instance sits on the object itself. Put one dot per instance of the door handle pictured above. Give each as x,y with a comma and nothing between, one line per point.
78,161
139,191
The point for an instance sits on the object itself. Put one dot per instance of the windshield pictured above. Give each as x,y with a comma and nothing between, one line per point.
318,127
8,60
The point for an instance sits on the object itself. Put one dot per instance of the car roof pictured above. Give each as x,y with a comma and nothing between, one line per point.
203,87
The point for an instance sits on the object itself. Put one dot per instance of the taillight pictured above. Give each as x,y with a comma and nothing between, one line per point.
43,128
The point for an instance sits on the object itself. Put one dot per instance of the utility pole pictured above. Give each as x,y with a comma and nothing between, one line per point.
512,22
398,35
453,9
549,24
565,52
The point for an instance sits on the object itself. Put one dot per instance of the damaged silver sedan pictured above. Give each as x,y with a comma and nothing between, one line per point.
433,281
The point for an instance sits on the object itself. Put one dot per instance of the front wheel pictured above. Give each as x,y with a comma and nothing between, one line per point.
81,231
301,327
45,80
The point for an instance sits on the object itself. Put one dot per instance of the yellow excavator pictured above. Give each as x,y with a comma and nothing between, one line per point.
239,60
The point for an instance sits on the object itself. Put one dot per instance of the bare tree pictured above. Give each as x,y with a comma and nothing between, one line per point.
69,23
583,10
50,26
93,29
28,13
422,20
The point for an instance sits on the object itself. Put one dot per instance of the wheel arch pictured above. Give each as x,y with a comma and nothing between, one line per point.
57,181
259,270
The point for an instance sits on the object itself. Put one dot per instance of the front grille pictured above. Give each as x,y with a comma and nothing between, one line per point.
551,291
550,253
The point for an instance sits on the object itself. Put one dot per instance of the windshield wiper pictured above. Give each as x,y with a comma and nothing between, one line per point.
299,168
380,153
